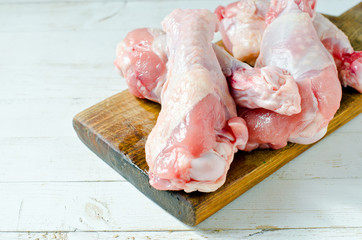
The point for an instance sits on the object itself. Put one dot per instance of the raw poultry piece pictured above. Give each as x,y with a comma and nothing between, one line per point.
197,132
141,60
348,62
242,26
290,42
269,87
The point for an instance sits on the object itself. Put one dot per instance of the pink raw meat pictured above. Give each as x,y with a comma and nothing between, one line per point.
197,132
141,59
242,26
291,43
269,87
348,62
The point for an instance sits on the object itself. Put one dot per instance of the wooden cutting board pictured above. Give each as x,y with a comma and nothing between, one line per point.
116,130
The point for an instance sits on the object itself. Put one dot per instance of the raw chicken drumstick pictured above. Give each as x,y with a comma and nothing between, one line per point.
290,42
197,132
269,87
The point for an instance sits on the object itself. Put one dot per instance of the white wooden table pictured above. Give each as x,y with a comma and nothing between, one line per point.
56,60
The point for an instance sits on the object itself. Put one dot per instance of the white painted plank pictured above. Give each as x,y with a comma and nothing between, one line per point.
54,70
64,159
293,204
86,50
118,206
79,207
258,234
338,155
40,117
60,82
110,15
103,16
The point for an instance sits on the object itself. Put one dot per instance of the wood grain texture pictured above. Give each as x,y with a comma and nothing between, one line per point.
116,129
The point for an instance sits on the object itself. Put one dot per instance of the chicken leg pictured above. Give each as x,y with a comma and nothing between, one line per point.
197,132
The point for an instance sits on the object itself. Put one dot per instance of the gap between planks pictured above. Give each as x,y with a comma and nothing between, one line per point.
346,233
193,229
